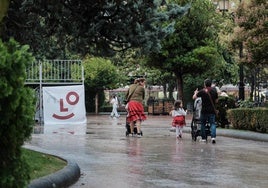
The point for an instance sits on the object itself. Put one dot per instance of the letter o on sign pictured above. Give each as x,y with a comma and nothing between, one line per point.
68,98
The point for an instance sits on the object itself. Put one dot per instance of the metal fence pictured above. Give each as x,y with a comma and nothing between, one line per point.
52,72
55,72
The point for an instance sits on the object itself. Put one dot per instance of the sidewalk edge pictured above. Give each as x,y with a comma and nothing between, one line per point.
62,178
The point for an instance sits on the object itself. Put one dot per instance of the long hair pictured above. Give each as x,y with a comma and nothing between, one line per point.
177,104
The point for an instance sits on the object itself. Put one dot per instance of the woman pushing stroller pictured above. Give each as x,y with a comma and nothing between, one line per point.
135,96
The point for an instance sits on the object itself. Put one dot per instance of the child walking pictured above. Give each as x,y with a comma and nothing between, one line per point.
178,114
114,102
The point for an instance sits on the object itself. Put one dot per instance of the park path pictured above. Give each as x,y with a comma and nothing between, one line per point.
107,158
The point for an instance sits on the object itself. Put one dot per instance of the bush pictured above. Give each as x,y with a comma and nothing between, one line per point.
246,104
254,119
16,112
224,104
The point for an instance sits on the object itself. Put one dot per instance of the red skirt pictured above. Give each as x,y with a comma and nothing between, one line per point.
135,111
178,121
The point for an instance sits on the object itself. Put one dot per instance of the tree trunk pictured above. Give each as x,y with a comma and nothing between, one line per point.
96,103
170,92
4,4
179,86
252,86
165,90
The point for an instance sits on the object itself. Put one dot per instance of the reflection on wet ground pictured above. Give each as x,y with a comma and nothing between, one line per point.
108,158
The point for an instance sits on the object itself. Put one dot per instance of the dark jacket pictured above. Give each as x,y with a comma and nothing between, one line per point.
207,107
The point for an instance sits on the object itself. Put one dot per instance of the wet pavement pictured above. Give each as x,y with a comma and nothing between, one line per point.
107,158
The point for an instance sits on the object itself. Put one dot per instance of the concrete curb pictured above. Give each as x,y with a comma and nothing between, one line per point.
62,178
239,134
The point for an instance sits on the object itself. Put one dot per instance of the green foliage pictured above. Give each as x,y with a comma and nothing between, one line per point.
254,119
223,105
100,74
56,29
16,112
250,35
193,50
246,104
251,30
130,65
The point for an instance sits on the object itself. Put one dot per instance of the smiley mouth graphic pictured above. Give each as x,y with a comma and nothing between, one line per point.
63,117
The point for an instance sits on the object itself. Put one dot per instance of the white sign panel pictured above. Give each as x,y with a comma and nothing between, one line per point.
64,105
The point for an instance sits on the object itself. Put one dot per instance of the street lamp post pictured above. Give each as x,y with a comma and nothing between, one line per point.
241,75
223,7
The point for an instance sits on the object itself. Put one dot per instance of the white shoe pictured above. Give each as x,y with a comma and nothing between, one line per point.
213,141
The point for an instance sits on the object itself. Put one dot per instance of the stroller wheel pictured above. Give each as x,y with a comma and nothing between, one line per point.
194,135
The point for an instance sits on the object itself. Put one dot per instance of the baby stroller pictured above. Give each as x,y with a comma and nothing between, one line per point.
196,122
128,129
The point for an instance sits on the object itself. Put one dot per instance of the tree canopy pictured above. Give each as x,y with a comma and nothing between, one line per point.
56,29
100,74
193,48
251,30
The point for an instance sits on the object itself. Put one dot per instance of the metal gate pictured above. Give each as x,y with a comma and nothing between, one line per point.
52,72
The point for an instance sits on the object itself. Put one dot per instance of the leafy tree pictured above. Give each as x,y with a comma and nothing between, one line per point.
251,30
250,38
16,112
132,65
100,74
55,29
193,48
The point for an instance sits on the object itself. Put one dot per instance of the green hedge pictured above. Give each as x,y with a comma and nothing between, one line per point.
223,105
17,106
253,119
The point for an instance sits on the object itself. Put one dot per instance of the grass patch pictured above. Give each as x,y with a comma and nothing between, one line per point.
42,164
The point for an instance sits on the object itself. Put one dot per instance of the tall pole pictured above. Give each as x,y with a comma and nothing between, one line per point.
241,73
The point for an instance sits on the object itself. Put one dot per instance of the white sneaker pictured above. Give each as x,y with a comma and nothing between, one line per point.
213,140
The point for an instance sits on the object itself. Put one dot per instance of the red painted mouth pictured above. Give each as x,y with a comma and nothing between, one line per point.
63,117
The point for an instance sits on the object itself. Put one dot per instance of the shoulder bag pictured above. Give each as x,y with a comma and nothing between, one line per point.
215,110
